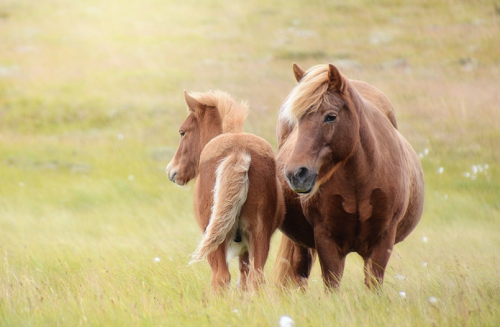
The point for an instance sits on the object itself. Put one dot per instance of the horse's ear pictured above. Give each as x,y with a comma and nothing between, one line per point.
335,79
192,103
298,72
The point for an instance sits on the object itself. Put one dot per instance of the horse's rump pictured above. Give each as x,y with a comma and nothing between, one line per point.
234,159
229,195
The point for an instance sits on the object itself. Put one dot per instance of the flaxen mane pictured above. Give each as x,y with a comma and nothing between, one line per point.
307,96
233,114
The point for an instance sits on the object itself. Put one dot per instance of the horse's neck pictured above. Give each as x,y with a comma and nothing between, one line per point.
365,155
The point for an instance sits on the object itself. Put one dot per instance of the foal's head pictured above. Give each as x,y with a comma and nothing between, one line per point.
209,114
327,125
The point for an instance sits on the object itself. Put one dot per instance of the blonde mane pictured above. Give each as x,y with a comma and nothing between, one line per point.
307,96
233,114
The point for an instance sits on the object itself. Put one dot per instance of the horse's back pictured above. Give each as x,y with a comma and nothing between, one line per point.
377,98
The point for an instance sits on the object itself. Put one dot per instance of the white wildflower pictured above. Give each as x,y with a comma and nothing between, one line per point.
286,321
400,277
474,169
402,294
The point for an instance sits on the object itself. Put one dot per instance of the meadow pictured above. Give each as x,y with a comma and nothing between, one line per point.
92,232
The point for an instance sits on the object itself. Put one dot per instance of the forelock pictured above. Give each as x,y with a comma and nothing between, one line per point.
307,96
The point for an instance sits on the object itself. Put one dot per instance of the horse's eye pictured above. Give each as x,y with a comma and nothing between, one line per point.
182,133
330,118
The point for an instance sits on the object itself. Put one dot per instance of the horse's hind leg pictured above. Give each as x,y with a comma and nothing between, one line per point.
244,271
259,250
376,262
221,277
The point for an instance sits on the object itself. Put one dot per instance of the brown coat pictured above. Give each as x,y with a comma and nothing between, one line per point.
361,182
238,200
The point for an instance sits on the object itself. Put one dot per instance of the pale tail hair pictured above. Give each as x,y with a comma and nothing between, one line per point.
283,270
282,266
229,195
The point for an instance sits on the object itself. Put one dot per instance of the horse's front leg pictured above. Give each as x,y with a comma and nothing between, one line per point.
332,261
221,277
376,261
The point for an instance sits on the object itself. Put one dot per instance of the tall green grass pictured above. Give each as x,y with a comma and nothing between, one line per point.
93,233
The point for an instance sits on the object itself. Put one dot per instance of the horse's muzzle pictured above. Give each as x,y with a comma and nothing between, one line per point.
171,174
301,180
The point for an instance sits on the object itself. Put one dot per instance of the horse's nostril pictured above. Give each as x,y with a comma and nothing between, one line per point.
172,178
302,173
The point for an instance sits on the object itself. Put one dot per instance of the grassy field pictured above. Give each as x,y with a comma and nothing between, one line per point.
93,233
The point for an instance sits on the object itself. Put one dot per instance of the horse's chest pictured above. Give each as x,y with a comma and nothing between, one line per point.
341,219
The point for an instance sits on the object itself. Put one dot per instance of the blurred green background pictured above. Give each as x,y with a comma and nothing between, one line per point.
90,104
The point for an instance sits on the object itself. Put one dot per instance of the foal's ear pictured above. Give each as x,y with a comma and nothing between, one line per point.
192,103
335,79
298,72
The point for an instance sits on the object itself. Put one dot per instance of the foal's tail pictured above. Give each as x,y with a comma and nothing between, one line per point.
288,254
283,271
229,194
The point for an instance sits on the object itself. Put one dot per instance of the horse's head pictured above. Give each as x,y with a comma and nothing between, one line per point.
327,126
202,124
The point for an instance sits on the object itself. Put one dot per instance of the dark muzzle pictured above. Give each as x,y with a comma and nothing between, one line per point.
301,180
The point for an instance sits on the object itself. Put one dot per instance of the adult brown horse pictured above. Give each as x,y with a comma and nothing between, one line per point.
238,200
360,182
